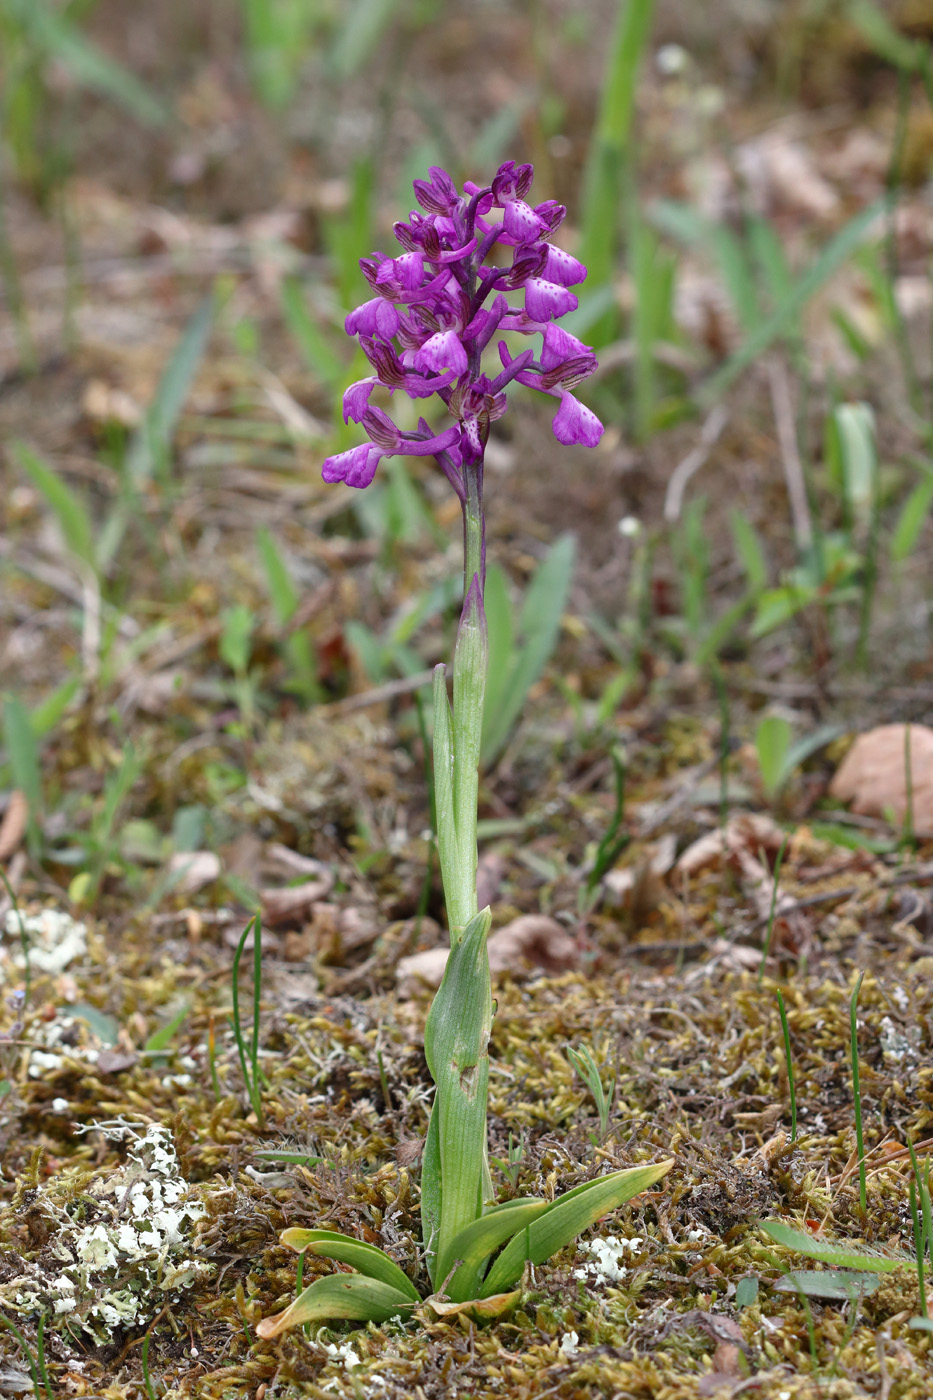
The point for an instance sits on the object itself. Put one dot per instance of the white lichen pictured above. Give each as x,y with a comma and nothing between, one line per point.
121,1245
607,1266
53,938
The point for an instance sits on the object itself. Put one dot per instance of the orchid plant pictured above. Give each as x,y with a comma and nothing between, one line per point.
435,310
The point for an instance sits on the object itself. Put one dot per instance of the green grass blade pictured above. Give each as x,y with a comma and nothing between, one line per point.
351,1296
568,1217
318,353
539,628
365,1258
479,1241
70,511
737,275
365,21
151,440
49,711
155,433
604,175
281,589
888,43
836,252
89,65
847,1256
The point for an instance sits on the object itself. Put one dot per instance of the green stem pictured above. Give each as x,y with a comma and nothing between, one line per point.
474,529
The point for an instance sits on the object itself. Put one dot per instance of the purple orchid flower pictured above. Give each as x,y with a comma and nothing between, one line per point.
426,327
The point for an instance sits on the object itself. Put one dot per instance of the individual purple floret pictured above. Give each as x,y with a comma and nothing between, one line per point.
436,308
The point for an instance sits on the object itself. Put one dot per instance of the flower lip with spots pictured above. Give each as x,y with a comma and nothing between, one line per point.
438,305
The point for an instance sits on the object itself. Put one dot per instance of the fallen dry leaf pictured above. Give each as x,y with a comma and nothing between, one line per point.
745,833
531,938
873,775
194,869
536,939
15,821
280,905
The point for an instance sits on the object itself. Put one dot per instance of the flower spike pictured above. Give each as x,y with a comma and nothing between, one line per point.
438,305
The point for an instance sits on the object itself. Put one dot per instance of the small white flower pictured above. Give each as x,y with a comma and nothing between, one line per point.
569,1344
630,527
671,60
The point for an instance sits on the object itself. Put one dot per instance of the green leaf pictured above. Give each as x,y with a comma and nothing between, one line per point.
50,710
458,898
750,550
912,519
778,605
105,1027
471,664
888,43
832,1284
162,1038
281,589
365,1258
921,1324
475,1244
566,1218
432,1192
456,1047
772,743
70,511
351,1296
801,749
851,1256
855,428
746,1291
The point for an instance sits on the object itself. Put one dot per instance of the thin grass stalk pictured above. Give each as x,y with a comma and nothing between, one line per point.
144,1359
919,1245
857,1096
790,1068
923,1224
40,1354
24,1348
774,894
892,184
249,1061
724,737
